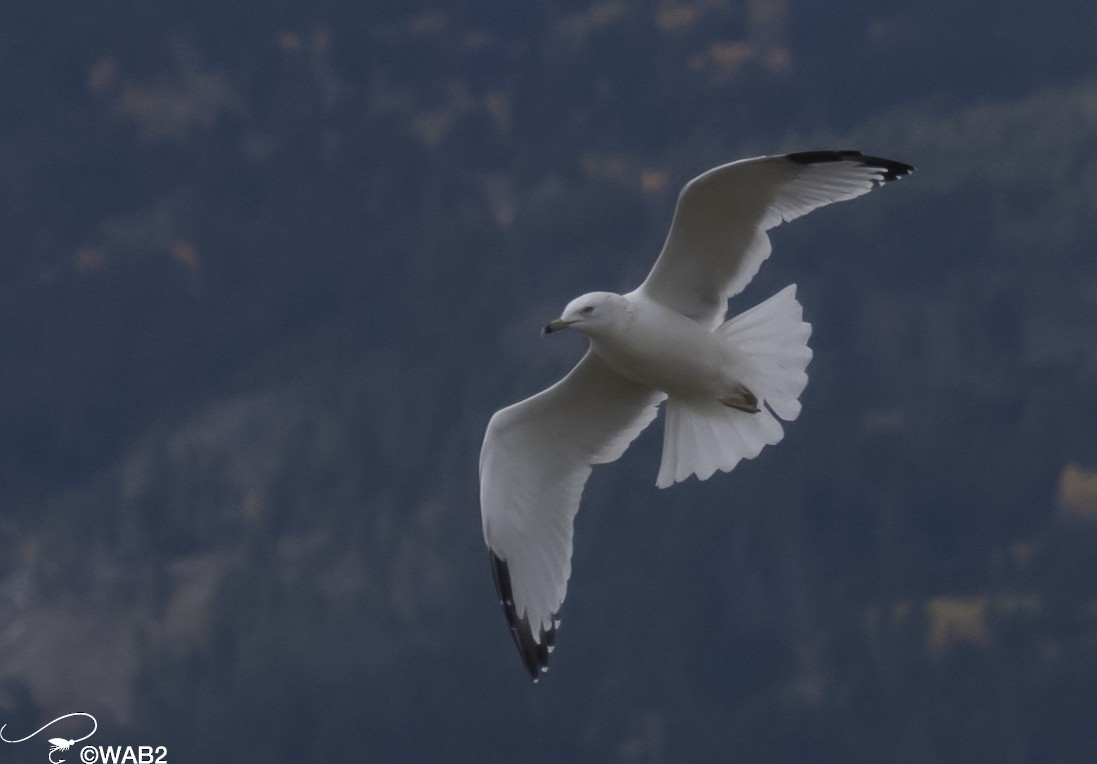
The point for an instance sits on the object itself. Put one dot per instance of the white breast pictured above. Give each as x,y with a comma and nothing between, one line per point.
667,351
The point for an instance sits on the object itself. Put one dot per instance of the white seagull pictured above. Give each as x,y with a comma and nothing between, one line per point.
725,383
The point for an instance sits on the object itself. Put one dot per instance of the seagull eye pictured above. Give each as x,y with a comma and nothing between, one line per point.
587,310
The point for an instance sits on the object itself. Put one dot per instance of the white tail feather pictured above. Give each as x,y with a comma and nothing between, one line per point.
702,436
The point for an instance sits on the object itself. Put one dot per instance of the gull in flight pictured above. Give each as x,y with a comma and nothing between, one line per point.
726,383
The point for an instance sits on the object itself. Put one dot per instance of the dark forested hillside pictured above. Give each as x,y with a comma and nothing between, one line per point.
266,269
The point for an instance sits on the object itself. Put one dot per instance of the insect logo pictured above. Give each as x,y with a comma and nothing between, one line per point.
56,743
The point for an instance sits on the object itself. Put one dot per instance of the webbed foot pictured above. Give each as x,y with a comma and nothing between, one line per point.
742,399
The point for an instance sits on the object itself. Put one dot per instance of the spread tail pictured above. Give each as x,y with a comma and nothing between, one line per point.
702,436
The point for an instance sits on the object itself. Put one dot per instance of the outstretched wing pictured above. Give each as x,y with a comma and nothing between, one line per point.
536,458
718,239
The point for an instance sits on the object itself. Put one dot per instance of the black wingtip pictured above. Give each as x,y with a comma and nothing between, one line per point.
535,655
890,169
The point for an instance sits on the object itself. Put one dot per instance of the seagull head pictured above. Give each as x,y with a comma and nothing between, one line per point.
589,313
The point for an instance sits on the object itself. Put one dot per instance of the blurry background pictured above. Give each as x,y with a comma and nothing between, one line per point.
267,268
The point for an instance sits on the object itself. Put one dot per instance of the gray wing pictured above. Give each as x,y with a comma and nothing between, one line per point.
535,461
718,240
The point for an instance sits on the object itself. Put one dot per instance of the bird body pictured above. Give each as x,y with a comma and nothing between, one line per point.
726,384
660,348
